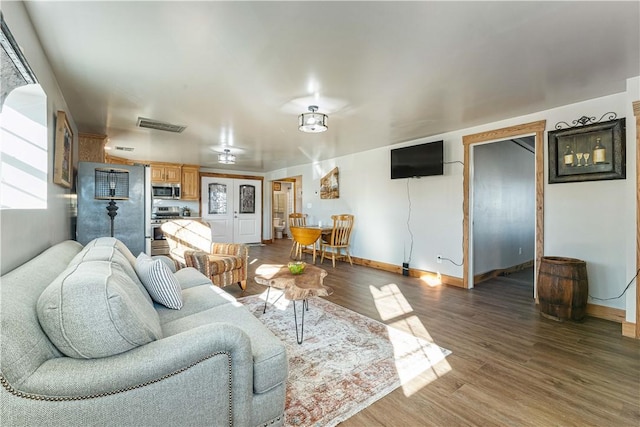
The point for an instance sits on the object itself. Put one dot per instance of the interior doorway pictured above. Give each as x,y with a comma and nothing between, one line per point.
286,198
502,207
535,129
283,205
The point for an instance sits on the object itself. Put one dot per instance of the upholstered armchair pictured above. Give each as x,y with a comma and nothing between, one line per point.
190,245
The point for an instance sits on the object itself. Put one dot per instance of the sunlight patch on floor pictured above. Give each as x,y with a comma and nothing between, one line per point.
412,325
390,302
431,279
417,361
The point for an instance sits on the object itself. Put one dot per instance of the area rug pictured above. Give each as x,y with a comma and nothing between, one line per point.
346,361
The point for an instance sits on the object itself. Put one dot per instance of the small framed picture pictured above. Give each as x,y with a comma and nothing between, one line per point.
62,160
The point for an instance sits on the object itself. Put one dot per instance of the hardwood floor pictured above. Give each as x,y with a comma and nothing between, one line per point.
509,367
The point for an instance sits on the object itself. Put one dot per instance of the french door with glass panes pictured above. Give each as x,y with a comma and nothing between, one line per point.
233,209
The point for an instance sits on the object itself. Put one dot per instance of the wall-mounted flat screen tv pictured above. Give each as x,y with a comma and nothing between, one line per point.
417,160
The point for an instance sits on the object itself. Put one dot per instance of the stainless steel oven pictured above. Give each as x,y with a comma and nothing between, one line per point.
159,244
160,215
156,229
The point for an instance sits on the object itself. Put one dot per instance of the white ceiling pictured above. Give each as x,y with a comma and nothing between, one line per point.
239,73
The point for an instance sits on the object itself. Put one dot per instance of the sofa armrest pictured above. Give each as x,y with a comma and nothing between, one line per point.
236,249
148,364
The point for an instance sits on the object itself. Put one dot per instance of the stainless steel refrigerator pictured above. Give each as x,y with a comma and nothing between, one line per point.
132,223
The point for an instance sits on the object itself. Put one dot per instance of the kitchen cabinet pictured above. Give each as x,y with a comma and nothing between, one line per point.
166,173
190,189
117,160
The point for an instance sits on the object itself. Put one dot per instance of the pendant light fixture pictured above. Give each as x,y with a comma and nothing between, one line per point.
226,158
312,122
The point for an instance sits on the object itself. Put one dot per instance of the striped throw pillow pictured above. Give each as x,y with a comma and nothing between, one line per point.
159,281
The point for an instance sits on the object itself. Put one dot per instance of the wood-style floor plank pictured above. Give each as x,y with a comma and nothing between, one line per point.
509,367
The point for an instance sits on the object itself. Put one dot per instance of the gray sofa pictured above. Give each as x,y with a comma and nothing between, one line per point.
82,343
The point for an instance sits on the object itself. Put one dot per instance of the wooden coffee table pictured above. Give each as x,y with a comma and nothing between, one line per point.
296,287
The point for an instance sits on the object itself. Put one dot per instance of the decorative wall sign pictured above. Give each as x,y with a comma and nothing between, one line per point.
587,152
62,160
247,199
217,199
329,185
277,186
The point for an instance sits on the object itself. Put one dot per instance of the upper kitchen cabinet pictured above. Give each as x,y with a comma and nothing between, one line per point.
166,172
117,160
190,189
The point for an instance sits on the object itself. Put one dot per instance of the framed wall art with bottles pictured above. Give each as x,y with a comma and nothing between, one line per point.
587,152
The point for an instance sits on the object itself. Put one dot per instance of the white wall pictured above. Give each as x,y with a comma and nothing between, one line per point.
27,232
593,221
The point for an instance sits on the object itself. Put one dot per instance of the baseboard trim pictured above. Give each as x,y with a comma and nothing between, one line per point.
629,330
428,276
607,313
478,278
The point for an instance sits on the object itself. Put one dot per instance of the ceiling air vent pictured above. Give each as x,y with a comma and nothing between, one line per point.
158,125
124,148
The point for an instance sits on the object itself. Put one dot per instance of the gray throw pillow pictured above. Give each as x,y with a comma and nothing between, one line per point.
97,252
160,282
93,309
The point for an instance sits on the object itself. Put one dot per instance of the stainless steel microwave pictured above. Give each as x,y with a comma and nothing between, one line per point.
165,191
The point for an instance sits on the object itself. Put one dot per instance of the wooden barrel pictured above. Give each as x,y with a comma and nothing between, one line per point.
563,288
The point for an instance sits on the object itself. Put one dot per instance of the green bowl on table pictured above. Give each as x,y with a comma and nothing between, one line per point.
297,267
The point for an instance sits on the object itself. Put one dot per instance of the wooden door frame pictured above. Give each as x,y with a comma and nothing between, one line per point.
527,129
292,181
636,112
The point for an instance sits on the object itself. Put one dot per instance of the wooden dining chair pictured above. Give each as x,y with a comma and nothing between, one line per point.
339,239
296,219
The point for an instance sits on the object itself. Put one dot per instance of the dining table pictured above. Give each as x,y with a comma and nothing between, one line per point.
308,235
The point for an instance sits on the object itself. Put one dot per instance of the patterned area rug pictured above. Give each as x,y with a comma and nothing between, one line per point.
346,361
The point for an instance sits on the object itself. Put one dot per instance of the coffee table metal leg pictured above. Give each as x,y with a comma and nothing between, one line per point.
264,310
305,307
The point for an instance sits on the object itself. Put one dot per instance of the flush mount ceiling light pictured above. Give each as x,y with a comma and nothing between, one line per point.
312,122
226,158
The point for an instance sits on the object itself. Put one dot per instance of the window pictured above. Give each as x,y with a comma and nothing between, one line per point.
23,131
